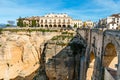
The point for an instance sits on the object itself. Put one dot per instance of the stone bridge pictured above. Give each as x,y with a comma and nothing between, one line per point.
102,57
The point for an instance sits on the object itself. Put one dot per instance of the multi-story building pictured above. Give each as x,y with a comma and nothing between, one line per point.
55,20
88,24
50,20
77,23
111,22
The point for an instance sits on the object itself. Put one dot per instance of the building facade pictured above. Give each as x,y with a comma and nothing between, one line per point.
111,22
55,20
88,24
77,23
49,20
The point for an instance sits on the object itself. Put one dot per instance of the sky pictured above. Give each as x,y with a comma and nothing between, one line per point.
77,9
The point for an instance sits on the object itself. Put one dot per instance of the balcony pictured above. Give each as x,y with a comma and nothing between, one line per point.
63,23
59,22
54,22
68,22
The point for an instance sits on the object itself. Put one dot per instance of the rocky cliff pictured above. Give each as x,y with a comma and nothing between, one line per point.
20,53
40,55
59,60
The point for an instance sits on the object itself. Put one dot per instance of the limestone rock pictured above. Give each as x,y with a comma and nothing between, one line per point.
20,53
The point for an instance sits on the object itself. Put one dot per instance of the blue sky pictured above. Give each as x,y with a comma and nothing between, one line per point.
78,9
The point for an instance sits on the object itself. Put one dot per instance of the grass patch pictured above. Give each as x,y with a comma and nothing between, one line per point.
62,37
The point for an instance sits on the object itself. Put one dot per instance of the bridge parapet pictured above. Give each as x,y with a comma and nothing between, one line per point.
115,33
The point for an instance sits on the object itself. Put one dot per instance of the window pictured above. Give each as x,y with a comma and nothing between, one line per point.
68,20
45,21
41,21
64,20
59,20
50,20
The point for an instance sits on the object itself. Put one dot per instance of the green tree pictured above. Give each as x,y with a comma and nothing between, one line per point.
8,25
34,23
0,30
75,25
24,24
20,22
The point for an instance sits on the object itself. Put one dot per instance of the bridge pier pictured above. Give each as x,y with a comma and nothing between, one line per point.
118,66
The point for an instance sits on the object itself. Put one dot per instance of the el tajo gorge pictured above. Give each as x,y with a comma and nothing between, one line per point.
101,60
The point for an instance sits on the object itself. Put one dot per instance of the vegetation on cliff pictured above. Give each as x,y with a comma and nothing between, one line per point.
0,30
63,39
28,30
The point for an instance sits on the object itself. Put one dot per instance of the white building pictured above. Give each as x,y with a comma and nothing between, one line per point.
112,25
50,20
88,24
111,22
78,23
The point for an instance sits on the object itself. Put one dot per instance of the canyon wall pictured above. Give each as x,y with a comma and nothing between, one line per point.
61,58
20,53
26,55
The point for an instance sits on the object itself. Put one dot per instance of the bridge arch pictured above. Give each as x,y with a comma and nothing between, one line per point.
91,66
109,55
110,59
111,39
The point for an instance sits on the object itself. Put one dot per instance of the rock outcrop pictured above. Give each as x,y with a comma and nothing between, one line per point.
20,53
59,61
40,55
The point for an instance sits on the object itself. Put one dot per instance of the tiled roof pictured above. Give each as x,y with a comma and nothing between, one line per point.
116,15
112,22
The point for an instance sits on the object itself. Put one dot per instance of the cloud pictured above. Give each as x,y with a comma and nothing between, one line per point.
14,8
94,9
111,5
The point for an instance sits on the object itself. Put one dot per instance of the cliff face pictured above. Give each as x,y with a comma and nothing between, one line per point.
20,53
59,60
59,65
39,56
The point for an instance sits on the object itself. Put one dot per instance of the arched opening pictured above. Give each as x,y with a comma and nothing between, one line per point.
55,25
68,26
91,67
110,61
41,25
59,25
50,25
46,25
64,25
